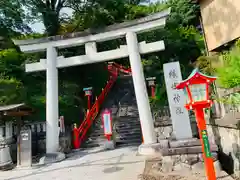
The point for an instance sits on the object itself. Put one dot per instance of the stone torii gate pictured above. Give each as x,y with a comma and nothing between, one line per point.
133,49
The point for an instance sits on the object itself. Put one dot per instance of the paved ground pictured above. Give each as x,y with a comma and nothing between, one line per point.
120,164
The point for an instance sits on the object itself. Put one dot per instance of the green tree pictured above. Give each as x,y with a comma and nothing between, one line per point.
12,18
229,73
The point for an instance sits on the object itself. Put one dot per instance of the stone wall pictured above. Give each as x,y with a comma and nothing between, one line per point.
164,130
226,135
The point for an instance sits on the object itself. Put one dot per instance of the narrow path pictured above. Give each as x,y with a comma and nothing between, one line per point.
118,164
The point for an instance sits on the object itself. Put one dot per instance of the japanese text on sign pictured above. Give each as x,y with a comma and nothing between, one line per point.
173,74
206,145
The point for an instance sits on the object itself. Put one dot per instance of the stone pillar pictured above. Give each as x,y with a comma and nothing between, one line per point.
144,109
8,130
1,132
52,138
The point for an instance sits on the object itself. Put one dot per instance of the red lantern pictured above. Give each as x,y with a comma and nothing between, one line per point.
151,83
196,87
88,93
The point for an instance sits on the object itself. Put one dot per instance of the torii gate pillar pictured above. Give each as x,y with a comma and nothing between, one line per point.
52,140
140,89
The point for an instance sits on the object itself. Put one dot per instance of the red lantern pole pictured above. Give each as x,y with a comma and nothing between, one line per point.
89,102
153,91
197,88
209,166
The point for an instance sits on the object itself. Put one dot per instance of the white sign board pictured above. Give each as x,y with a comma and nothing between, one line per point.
107,124
176,99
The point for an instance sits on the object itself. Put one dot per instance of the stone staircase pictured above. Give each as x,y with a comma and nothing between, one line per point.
121,100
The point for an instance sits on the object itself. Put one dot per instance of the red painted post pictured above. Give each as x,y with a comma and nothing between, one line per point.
89,102
153,91
209,166
76,141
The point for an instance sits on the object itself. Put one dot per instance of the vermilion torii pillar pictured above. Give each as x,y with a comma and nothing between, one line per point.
133,49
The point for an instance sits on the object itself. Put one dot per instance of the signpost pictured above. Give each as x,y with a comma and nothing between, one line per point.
88,93
196,86
107,124
25,148
176,99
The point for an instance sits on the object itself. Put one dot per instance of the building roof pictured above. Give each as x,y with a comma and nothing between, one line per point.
17,109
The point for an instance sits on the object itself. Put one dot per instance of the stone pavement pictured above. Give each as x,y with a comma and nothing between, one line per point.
118,164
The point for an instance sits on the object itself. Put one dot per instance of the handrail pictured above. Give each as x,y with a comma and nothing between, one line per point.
114,70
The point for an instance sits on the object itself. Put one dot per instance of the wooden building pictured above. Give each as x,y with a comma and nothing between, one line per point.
221,22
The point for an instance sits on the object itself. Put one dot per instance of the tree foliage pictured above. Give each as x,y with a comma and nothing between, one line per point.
183,42
12,18
229,73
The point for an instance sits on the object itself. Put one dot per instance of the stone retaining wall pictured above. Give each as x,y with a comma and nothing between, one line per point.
227,137
164,130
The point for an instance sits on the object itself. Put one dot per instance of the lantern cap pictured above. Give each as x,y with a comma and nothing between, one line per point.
196,77
150,78
87,89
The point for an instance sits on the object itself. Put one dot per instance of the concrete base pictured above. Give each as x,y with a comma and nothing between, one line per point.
150,149
109,145
52,158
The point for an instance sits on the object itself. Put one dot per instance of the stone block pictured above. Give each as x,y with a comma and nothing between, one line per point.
189,159
176,159
182,167
167,164
163,144
185,150
167,131
198,167
218,167
173,151
214,156
157,166
185,143
150,150
109,145
65,144
164,132
52,158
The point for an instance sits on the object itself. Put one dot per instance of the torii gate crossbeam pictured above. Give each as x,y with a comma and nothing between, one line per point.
133,49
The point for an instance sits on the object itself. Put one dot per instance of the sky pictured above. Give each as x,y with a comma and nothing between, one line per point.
39,27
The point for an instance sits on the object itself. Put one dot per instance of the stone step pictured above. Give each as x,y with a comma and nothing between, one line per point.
120,124
118,139
127,120
96,138
119,143
123,130
129,127
127,123
185,150
118,133
185,143
95,135
129,141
